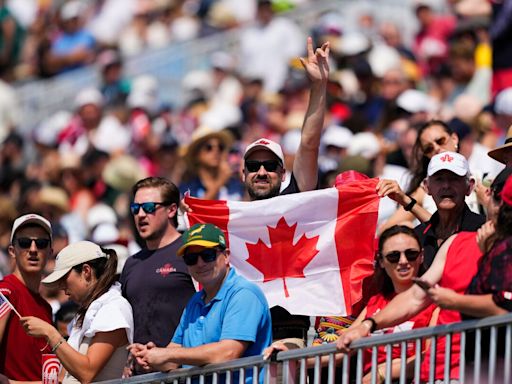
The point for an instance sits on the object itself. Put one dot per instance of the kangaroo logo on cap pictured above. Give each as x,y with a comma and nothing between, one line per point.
447,157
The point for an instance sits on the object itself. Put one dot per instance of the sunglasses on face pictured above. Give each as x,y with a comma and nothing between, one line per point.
208,147
208,255
148,207
410,254
429,149
26,242
255,165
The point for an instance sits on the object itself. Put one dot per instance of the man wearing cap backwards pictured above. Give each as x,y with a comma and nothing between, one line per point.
155,281
31,246
448,182
450,274
228,319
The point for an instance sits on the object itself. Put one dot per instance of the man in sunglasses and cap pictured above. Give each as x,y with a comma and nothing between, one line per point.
228,319
30,248
155,281
264,172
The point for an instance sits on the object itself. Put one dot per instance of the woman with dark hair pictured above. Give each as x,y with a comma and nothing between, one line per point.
398,262
434,137
103,325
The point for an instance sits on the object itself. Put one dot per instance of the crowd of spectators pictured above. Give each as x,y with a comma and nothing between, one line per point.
383,103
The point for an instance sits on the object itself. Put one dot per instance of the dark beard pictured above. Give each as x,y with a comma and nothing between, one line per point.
264,195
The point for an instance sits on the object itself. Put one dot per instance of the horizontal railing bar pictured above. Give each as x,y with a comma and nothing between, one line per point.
257,361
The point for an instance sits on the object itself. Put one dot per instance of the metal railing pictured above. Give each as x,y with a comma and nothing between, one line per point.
41,98
295,366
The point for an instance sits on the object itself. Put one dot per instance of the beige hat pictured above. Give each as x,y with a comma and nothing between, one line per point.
73,254
123,172
498,153
200,136
34,219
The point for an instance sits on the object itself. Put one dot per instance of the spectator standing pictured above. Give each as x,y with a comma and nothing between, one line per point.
96,348
264,171
155,281
20,355
228,319
447,182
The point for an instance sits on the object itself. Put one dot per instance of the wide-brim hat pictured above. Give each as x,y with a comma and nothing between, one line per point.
499,153
200,136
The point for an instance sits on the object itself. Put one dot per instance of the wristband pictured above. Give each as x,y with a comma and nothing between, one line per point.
56,346
374,324
410,206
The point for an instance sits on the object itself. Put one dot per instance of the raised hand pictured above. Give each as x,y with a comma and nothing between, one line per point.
317,62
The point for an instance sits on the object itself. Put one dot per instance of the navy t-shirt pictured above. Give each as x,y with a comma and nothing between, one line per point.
158,287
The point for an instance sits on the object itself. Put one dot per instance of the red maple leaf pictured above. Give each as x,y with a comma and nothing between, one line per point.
282,259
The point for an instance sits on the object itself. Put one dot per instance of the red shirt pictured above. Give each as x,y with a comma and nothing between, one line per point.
461,265
20,354
421,320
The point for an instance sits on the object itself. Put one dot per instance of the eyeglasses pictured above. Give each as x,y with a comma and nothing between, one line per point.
208,147
148,207
410,254
429,149
26,242
255,165
208,255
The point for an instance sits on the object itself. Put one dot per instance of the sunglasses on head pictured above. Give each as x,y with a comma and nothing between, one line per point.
410,254
255,165
208,255
26,242
148,207
429,149
208,147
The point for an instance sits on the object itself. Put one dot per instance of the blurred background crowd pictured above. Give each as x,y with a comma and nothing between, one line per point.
394,65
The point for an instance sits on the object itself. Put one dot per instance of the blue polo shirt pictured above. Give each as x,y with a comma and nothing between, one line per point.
239,311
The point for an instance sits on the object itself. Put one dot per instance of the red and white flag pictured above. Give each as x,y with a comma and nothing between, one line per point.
309,252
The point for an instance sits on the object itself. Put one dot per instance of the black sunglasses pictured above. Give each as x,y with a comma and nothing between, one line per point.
26,242
148,207
208,255
210,147
255,165
430,148
410,254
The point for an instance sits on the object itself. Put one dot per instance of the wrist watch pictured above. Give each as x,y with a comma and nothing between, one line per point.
409,206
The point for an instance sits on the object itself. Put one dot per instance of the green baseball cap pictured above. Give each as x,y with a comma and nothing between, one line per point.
205,235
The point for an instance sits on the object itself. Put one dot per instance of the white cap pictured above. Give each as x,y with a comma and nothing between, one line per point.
451,161
71,9
87,96
267,144
31,218
337,136
413,101
100,213
105,233
503,102
73,254
364,144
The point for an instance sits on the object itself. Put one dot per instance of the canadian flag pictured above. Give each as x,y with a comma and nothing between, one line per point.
309,252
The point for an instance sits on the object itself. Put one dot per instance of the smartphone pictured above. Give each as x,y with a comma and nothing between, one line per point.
422,283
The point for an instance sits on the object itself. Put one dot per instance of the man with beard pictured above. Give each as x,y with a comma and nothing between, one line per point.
264,172
155,281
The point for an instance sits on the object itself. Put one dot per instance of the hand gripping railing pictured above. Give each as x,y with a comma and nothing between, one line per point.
293,365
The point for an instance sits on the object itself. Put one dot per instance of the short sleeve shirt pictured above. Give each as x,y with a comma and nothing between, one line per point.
20,354
157,285
239,311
